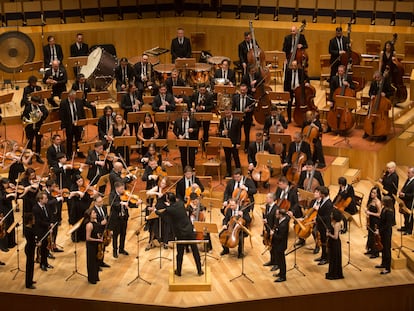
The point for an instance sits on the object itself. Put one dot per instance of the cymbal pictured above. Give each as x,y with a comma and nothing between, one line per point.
16,49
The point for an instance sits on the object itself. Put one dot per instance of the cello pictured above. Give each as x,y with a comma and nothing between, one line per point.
310,132
397,76
293,172
351,57
377,123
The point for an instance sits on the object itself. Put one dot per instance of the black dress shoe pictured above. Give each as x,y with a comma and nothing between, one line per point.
34,282
365,135
2,263
49,266
50,256
379,266
99,269
385,272
368,252
300,242
401,229
5,249
322,262
240,255
58,250
91,282
280,279
201,272
374,256
316,250
105,265
406,233
318,259
43,268
177,273
274,268
115,255
268,264
31,287
39,160
124,252
224,252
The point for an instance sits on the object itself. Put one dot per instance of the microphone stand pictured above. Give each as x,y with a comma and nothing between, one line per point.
242,274
75,254
160,257
295,265
138,277
17,269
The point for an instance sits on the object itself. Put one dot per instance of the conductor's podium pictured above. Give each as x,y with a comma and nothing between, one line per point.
190,280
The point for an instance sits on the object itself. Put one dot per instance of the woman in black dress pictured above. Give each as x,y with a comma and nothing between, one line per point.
6,206
334,247
117,129
31,188
385,230
373,213
147,130
92,242
29,248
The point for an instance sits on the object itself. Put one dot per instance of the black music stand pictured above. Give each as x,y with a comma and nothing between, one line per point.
32,66
345,103
136,117
206,228
160,257
85,122
295,265
77,62
187,143
221,142
17,269
138,277
124,142
349,219
50,127
4,99
242,274
74,229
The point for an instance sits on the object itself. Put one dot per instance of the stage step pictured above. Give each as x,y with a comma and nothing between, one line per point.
352,175
403,156
405,121
402,109
339,166
398,262
408,253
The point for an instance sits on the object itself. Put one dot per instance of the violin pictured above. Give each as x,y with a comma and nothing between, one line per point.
11,189
130,198
65,193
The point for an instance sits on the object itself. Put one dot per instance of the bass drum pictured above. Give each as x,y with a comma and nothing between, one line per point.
100,69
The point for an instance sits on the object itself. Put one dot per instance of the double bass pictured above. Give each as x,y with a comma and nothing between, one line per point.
299,55
351,57
397,77
310,132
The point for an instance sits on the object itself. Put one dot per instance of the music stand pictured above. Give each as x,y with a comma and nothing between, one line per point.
236,114
31,66
74,229
124,142
280,97
187,143
345,102
153,215
50,127
136,117
77,62
85,122
211,203
295,265
224,89
185,63
182,91
350,219
120,95
86,147
97,96
306,196
166,118
242,274
206,228
363,72
10,229
4,99
221,142
138,277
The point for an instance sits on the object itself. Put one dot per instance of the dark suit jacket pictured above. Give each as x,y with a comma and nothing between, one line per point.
90,160
280,237
243,50
287,85
26,92
120,79
86,88
287,44
102,130
180,50
116,177
387,89
149,71
42,221
47,54
179,130
229,215
157,103
390,182
66,114
317,175
116,217
100,218
252,150
270,216
64,177
231,76
235,106
304,148
169,84
334,84
26,114
83,51
150,182
408,190
348,193
246,80
61,79
292,197
126,103
234,131
247,182
51,154
180,188
208,101
334,48
269,120
324,214
182,226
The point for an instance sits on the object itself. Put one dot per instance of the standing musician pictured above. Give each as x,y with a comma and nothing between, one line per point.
120,128
124,73
279,243
186,128
270,222
147,130
373,213
275,122
407,195
258,146
202,101
55,148
189,183
390,180
71,111
387,221
118,219
244,47
115,176
6,207
197,213
145,78
310,177
175,80
324,207
98,165
345,199
252,79
338,46
52,52
102,219
289,42
81,84
287,197
224,72
152,173
163,102
337,81
54,206
298,147
180,46
93,239
78,48
56,78
230,128
65,172
104,124
239,183
232,213
311,124
29,249
294,77
388,58
334,246
29,89
31,188
42,225
131,102
34,114
244,103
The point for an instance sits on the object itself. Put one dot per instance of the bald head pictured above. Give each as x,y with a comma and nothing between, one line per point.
118,166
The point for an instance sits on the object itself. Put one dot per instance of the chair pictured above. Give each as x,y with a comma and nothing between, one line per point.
372,47
359,197
213,161
276,60
325,68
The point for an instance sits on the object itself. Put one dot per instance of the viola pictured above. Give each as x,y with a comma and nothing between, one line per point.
129,197
61,192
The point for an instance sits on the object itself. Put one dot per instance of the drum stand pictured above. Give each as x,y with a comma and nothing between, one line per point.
295,265
17,269
242,274
160,257
138,277
75,254
350,219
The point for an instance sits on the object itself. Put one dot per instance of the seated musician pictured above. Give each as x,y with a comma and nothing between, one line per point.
339,81
81,84
225,73
244,103
116,176
259,146
120,128
153,153
231,213
175,80
252,79
29,89
300,149
236,186
147,130
16,161
387,91
124,74
99,165
56,77
202,101
287,197
269,222
275,122
186,128
144,76
310,178
163,102
197,213
188,184
312,122
104,124
55,148
131,102
345,199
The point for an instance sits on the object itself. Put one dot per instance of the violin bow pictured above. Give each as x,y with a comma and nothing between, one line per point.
107,150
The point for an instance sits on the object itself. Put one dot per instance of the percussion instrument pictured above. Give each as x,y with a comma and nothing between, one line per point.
221,81
200,73
163,71
100,69
216,60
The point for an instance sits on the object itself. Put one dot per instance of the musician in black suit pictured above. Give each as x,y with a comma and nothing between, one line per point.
186,128
244,103
242,182
230,127
42,226
225,73
145,77
244,47
337,46
180,46
324,206
269,223
34,115
275,122
51,52
115,176
390,181
29,248
346,191
29,89
71,111
289,193
309,171
81,84
338,80
189,180
202,101
294,77
118,219
104,124
163,102
102,219
131,102
296,146
260,145
289,42
183,230
252,79
407,195
279,243
64,172
56,77
311,122
97,165
78,48
54,207
175,80
124,74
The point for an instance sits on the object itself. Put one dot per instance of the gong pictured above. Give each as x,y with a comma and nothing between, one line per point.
16,49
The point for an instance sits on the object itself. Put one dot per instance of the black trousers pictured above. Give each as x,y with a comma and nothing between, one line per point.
318,156
386,251
73,133
119,230
206,126
408,223
281,262
162,129
229,152
180,255
247,125
31,134
187,158
30,253
322,232
44,252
